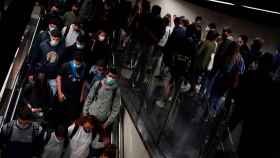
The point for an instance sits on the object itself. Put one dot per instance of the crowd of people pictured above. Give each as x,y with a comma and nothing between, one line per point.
73,87
238,79
71,94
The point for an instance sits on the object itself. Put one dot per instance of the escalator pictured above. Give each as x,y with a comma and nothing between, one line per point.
124,133
15,15
141,130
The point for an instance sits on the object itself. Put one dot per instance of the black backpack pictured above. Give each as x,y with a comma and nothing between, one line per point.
66,31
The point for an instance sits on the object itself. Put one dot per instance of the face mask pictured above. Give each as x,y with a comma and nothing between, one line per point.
99,76
110,81
53,43
52,28
79,46
87,130
101,38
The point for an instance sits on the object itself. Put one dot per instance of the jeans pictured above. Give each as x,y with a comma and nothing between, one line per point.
52,84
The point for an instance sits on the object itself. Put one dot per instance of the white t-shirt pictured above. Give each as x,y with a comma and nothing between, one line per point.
163,40
71,37
53,148
81,143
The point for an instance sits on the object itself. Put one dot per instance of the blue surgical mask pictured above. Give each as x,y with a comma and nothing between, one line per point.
99,76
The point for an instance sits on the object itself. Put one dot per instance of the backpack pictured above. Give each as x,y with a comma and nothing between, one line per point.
35,132
98,88
66,31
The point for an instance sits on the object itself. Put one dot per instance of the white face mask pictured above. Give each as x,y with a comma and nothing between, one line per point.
52,28
53,43
101,38
79,46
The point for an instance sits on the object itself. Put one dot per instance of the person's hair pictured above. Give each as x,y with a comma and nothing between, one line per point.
110,151
56,33
198,18
25,113
101,62
177,21
186,22
156,10
78,57
91,120
168,15
257,43
146,7
53,21
244,38
233,48
88,119
75,4
227,29
77,22
113,71
99,32
54,4
212,26
61,130
165,21
212,35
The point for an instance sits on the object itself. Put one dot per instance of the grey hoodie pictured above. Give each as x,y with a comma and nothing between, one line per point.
103,107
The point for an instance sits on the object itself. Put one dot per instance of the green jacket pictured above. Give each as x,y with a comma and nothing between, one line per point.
204,55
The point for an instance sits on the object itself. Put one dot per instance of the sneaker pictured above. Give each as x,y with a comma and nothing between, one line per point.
160,103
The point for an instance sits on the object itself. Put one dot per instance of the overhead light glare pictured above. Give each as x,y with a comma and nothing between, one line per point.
221,2
263,10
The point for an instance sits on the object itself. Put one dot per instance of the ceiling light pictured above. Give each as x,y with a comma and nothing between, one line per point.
263,10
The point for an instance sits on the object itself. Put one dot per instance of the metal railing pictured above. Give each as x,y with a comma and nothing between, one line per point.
12,87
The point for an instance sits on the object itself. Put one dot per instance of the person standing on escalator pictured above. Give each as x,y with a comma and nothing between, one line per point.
69,85
103,100
21,137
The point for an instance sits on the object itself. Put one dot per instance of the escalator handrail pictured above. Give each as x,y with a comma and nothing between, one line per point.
17,76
